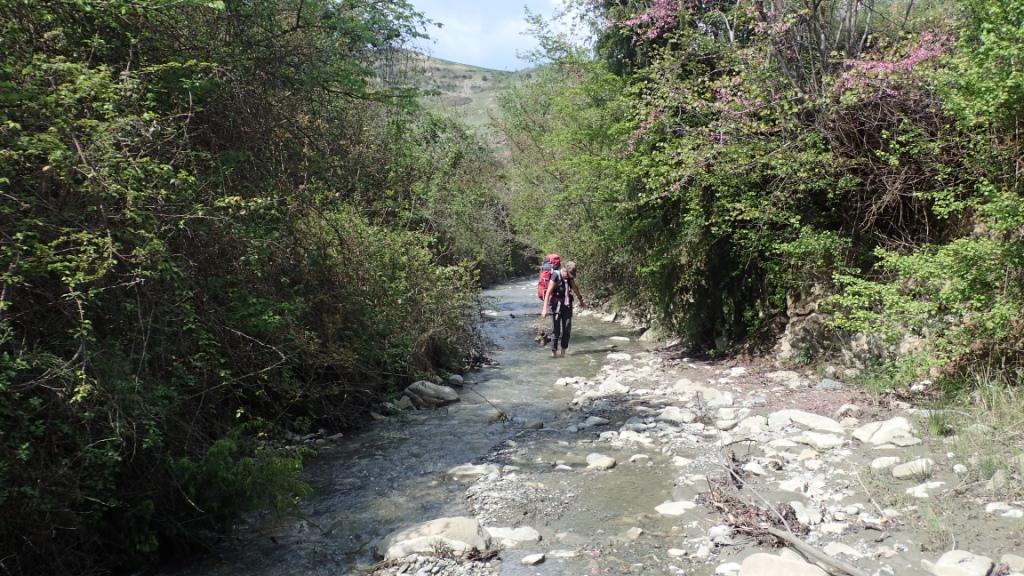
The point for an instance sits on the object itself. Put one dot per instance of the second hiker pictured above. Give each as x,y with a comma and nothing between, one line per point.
558,299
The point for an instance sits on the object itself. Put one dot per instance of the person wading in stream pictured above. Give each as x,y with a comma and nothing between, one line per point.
559,301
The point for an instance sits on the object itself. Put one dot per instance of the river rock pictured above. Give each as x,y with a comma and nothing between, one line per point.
1016,563
512,537
819,440
405,403
592,421
532,559
597,461
920,469
884,432
959,563
471,471
751,426
728,569
761,564
782,418
807,515
677,508
426,394
924,490
847,411
456,380
619,357
607,388
676,415
834,549
459,533
885,462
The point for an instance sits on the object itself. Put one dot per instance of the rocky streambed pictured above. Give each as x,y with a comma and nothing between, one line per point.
630,458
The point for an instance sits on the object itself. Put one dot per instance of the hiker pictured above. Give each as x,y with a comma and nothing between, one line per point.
558,299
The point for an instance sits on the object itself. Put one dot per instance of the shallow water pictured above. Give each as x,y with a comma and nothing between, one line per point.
392,474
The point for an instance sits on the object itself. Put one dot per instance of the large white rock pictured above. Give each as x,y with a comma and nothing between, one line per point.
819,440
885,432
924,490
751,426
592,421
920,469
959,563
429,395
532,559
761,564
885,462
806,514
782,418
1016,563
677,508
676,415
688,390
512,537
597,461
459,533
471,471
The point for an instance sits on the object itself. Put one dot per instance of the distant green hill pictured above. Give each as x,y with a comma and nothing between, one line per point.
469,92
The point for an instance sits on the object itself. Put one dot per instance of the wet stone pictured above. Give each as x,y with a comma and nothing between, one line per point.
919,469
597,461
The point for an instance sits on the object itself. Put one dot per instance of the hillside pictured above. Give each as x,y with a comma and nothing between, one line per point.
468,91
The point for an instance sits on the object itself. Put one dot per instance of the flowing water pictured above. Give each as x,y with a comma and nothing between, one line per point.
392,474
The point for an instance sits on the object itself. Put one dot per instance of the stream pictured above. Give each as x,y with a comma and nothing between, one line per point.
393,474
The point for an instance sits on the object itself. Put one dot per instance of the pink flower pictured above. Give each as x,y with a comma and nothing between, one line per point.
661,17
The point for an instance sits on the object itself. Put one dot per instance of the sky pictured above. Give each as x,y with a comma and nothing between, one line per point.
485,33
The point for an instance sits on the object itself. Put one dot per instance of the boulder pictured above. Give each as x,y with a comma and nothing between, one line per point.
761,564
429,395
920,469
751,426
532,559
597,461
471,471
674,508
959,563
885,432
512,537
676,415
820,441
1016,563
783,418
459,533
924,490
885,462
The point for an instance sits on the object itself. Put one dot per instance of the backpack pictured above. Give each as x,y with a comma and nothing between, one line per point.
545,277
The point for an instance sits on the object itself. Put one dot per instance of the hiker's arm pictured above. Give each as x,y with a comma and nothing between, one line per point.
577,291
547,298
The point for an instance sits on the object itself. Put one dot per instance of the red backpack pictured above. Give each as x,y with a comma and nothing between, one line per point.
551,261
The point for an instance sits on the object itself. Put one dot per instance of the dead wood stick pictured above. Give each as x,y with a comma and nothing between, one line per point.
868,493
815,554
